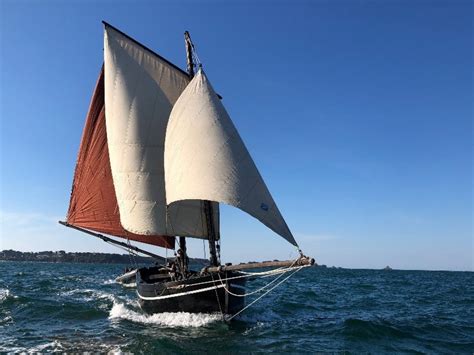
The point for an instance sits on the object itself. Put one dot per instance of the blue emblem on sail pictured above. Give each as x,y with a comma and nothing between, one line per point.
264,207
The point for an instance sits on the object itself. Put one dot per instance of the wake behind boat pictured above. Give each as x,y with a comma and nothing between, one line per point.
158,154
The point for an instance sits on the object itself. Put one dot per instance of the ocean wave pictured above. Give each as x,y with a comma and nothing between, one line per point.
6,294
268,316
364,329
172,320
53,346
88,294
7,319
432,315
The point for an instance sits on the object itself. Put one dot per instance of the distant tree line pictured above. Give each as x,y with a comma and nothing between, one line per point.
77,257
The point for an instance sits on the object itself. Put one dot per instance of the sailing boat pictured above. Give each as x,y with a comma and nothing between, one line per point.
158,154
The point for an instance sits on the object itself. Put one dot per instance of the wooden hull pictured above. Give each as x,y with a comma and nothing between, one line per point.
199,294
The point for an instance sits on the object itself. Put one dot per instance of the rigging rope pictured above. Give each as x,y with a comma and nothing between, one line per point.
123,248
131,256
271,272
268,291
256,291
197,62
260,289
218,300
256,274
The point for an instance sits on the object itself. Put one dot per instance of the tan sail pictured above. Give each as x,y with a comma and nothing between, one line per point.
93,204
140,91
206,159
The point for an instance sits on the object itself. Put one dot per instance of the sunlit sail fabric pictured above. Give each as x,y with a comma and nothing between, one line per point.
140,91
93,204
205,158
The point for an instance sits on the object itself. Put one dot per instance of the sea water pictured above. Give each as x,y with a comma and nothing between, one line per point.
46,307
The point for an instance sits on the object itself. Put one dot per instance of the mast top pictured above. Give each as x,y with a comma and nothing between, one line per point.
189,54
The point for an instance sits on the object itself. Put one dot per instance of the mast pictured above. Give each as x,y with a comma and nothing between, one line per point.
208,209
189,54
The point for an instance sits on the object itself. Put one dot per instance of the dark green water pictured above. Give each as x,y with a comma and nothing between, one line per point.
76,307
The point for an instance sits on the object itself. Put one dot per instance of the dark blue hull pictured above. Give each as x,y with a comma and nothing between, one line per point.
197,294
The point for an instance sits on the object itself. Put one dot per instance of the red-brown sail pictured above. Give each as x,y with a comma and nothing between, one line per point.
93,203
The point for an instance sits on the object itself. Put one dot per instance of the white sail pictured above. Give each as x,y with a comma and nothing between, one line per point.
140,90
206,159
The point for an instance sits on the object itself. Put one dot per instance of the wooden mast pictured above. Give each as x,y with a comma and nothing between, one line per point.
208,209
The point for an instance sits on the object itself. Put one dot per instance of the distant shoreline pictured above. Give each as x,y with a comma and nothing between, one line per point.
109,258
81,257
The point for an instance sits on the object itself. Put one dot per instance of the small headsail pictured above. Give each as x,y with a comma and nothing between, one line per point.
93,204
206,159
140,90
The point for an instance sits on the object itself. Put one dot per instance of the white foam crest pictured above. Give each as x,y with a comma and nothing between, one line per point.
5,293
104,295
52,346
130,285
172,320
109,282
77,290
7,319
88,294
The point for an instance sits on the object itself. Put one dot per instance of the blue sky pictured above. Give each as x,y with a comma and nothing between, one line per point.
357,113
